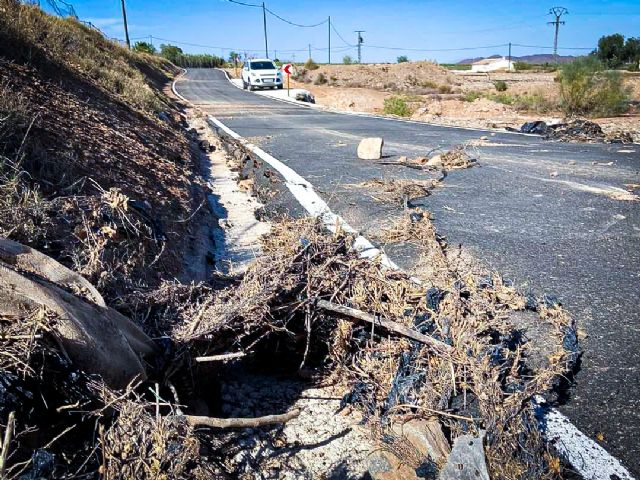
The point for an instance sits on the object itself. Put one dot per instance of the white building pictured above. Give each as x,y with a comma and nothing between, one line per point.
492,65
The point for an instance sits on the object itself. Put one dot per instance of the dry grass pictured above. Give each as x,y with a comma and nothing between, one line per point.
396,191
482,383
30,34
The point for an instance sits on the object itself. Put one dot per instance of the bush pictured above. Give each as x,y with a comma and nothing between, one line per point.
144,47
587,89
521,66
320,79
403,59
311,65
534,102
347,60
444,89
397,106
471,96
501,85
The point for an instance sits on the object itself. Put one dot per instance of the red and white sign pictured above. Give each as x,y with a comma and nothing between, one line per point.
288,69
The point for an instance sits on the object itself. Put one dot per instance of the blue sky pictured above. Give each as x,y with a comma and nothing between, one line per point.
432,25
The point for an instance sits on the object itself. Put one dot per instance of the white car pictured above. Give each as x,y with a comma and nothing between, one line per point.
261,73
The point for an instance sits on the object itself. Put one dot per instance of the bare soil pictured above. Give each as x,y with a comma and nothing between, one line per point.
436,94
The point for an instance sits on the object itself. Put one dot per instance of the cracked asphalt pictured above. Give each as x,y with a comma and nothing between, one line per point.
542,213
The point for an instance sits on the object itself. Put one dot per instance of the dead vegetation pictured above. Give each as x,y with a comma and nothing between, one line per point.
472,373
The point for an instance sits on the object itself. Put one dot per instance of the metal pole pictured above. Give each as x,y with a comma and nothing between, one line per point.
329,39
509,55
264,21
126,27
309,51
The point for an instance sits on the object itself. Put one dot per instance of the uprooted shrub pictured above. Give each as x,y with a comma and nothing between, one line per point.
586,88
475,372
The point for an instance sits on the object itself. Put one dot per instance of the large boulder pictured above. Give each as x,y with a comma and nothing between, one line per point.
370,148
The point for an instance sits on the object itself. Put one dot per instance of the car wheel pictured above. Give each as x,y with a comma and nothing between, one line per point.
251,88
280,87
244,85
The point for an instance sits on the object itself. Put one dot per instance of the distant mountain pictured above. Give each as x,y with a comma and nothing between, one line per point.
537,58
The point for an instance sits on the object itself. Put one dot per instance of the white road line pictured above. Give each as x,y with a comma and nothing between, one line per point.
585,455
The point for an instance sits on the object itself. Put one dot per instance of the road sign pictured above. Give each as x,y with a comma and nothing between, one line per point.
288,69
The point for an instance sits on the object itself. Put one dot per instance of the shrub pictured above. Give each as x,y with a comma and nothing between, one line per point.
403,59
429,84
444,89
311,65
501,85
347,60
471,96
587,89
144,47
320,79
521,66
397,106
502,97
534,102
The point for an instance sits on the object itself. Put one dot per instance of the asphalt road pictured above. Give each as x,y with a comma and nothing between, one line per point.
539,212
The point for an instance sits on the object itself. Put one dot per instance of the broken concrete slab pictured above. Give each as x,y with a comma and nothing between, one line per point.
467,460
370,148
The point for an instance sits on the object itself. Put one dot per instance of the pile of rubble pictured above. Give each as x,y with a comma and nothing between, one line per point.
574,131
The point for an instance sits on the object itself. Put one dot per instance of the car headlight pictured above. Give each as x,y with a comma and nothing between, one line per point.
252,74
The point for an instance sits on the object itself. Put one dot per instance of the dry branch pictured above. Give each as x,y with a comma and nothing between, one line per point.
352,313
198,421
220,358
4,453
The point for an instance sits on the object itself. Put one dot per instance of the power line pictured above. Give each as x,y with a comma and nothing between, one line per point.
296,24
333,27
244,4
435,49
550,48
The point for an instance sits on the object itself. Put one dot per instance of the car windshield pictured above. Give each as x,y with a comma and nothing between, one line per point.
262,66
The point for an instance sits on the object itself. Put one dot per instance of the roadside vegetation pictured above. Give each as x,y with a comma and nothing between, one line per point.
397,105
587,88
188,60
40,39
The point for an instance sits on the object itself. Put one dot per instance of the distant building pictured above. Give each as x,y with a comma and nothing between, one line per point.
492,65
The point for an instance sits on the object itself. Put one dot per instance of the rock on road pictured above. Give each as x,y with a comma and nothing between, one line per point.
539,212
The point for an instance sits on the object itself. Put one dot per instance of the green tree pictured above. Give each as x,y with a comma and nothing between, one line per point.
347,60
170,52
234,57
611,50
632,50
403,59
144,47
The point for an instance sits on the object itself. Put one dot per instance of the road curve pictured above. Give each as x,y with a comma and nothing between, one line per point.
542,213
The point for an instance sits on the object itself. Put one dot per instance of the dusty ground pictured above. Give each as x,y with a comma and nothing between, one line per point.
436,94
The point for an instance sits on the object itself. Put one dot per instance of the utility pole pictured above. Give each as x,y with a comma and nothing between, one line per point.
329,40
360,42
509,55
309,51
126,27
264,22
558,12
